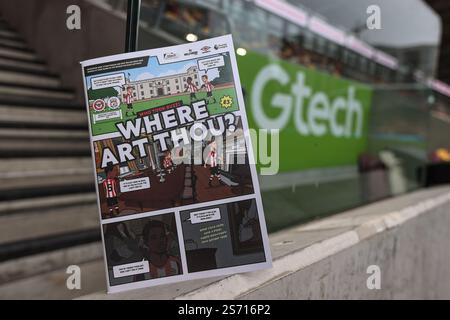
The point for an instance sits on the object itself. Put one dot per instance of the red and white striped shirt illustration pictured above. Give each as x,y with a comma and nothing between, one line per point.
167,162
170,268
212,158
128,98
110,186
208,86
192,88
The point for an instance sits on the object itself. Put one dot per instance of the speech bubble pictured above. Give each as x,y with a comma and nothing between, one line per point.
111,80
134,184
209,63
107,116
130,269
205,215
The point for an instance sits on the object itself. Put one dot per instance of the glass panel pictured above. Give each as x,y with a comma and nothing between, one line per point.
398,123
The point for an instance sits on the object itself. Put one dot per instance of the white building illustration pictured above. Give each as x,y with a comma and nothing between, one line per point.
162,86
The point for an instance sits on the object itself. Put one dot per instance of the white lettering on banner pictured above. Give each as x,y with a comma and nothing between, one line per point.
309,118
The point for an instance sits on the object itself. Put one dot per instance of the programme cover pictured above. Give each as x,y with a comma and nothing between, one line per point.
177,188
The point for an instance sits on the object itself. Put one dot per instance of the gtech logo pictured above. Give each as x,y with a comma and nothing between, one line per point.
313,113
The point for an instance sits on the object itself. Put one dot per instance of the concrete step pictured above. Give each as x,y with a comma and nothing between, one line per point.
5,26
23,205
18,54
21,178
13,43
35,187
42,117
19,142
44,143
44,134
40,264
52,285
40,102
38,167
45,244
49,222
23,188
15,169
44,138
9,89
44,186
22,65
8,34
29,79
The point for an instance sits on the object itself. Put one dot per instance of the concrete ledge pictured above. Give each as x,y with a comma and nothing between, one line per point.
407,237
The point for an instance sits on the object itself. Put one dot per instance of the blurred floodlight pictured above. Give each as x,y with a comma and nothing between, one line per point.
241,51
191,37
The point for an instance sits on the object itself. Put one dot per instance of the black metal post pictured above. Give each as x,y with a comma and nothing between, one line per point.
131,37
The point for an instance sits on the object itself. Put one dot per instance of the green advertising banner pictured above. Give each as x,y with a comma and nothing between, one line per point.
323,119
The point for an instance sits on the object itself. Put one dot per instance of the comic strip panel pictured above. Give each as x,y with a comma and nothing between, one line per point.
148,178
120,96
142,249
222,236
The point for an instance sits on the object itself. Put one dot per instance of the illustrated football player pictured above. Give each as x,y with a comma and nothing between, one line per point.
167,162
156,241
209,89
128,99
192,88
110,185
214,166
